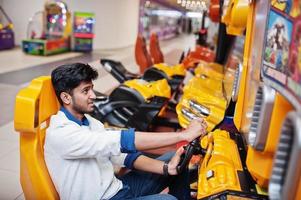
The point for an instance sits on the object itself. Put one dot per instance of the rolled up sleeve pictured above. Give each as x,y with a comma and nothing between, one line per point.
130,159
127,141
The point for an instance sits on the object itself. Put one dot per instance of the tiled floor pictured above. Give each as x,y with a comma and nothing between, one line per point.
16,71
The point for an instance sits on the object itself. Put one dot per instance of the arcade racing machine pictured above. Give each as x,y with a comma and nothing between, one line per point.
224,173
267,114
259,161
155,50
209,92
149,72
271,104
136,104
173,74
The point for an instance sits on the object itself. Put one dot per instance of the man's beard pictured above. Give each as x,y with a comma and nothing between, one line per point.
79,109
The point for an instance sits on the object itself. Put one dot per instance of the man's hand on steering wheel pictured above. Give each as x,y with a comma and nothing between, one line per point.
197,128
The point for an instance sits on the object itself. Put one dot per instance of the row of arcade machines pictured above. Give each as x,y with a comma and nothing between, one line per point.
253,154
50,31
258,158
264,163
268,112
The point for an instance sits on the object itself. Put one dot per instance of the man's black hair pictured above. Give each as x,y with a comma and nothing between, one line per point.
67,77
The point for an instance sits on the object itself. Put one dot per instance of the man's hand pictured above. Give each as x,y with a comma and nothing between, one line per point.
174,162
196,128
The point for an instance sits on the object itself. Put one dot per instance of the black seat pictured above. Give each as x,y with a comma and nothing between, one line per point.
117,70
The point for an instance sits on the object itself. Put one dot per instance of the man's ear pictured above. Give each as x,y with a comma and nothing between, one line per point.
66,98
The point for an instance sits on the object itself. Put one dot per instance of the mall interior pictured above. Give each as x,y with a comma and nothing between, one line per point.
161,64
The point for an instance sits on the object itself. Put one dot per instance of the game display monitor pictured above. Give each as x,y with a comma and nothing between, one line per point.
56,20
282,50
83,35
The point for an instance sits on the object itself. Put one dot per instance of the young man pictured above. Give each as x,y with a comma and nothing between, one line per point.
80,153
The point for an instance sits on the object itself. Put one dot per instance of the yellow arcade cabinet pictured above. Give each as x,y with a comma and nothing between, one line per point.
281,71
263,100
207,95
223,173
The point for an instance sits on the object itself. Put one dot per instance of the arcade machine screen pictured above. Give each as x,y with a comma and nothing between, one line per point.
56,20
83,22
54,25
83,31
281,69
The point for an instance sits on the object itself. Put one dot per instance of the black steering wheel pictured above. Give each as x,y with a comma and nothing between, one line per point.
193,148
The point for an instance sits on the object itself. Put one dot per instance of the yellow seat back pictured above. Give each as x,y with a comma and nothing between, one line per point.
148,90
170,71
33,107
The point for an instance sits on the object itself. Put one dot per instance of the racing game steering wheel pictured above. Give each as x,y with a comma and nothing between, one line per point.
193,148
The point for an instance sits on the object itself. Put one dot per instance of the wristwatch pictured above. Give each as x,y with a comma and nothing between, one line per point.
165,169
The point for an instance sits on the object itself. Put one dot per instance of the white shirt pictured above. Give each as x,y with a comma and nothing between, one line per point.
80,158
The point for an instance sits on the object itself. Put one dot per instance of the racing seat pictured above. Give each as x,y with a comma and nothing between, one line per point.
143,59
33,107
118,71
200,54
136,104
173,74
154,49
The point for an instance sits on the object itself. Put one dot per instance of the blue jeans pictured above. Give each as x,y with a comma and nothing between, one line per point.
138,185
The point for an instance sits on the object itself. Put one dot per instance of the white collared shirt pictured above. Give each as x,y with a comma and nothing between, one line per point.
80,158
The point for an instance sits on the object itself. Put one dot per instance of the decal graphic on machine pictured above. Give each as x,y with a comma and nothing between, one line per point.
276,51
294,69
282,50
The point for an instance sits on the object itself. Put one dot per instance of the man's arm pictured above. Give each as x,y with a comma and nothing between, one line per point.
72,142
152,140
147,164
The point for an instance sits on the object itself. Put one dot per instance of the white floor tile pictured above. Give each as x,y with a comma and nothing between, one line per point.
7,147
8,133
105,84
11,161
10,185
